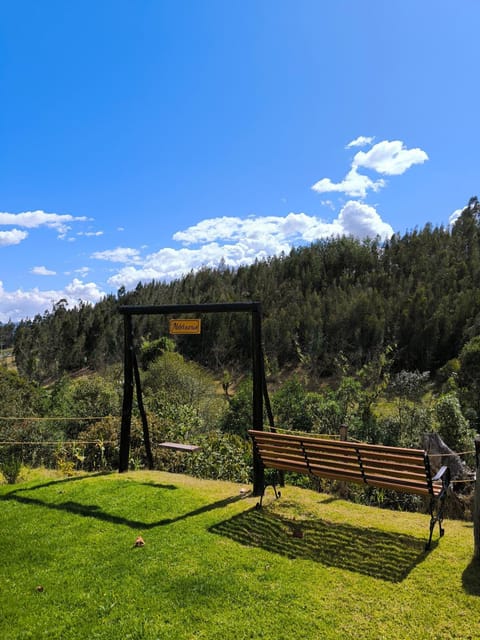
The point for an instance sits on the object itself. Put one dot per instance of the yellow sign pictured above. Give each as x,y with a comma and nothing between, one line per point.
185,325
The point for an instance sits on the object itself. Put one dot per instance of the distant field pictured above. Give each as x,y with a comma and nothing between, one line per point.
307,566
7,359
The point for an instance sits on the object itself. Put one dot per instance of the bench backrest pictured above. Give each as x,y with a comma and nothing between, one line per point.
398,468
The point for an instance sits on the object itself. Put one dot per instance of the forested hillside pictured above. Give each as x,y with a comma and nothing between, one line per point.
418,293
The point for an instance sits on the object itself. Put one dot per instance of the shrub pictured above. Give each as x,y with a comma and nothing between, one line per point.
171,382
10,467
238,417
291,408
102,450
85,398
453,428
409,385
221,457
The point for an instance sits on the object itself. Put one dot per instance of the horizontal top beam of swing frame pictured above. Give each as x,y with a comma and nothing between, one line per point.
189,308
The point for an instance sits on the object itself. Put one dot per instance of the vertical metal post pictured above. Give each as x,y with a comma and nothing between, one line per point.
476,502
127,395
343,432
257,417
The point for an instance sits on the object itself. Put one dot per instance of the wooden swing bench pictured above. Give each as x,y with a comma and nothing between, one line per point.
401,469
179,446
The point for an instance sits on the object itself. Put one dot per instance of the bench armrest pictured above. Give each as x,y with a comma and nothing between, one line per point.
440,473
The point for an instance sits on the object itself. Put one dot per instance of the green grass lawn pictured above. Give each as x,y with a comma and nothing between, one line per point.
306,566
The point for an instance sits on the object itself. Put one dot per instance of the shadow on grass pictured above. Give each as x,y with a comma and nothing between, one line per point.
55,482
95,511
471,578
383,555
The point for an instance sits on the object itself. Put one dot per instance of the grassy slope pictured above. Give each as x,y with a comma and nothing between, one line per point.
213,567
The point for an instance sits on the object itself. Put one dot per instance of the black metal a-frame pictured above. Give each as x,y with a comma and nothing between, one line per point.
131,371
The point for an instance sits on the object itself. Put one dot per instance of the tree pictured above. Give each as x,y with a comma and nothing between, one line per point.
85,400
469,375
452,425
290,407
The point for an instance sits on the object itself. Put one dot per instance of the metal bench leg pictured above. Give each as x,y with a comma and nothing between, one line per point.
438,517
270,483
432,526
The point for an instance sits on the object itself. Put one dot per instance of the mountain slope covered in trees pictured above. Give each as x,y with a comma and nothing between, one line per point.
418,293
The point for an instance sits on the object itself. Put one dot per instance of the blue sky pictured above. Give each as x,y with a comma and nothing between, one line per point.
142,139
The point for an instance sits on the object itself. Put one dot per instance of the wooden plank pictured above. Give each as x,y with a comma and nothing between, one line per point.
178,446
405,488
328,457
268,461
352,475
394,465
278,449
286,466
392,458
379,476
334,464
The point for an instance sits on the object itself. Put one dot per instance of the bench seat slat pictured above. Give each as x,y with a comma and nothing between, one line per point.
393,465
278,451
418,473
287,466
268,460
411,465
391,458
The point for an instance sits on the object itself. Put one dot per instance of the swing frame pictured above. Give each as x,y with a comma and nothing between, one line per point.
131,374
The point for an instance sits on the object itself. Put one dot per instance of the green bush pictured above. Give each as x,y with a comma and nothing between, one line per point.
221,457
325,412
291,407
10,467
87,399
101,451
453,428
172,382
237,419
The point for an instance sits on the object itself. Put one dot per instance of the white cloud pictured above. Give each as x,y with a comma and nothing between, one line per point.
328,203
270,234
354,184
363,221
15,305
90,234
386,157
83,271
9,238
240,241
85,291
36,219
120,254
389,157
361,141
43,271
